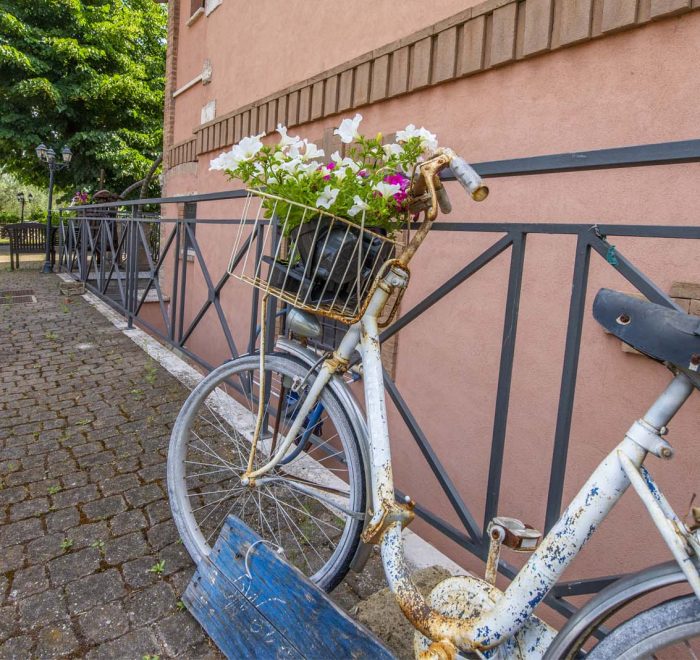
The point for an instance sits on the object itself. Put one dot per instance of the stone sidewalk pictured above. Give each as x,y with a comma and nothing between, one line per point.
90,561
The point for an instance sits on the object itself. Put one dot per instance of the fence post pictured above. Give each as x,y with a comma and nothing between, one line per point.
183,247
176,275
60,239
104,224
131,267
82,242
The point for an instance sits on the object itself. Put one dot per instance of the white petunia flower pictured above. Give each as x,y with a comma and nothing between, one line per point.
294,149
428,140
312,151
386,189
245,150
307,168
291,166
342,165
285,140
348,129
327,197
224,161
344,162
393,149
248,147
357,207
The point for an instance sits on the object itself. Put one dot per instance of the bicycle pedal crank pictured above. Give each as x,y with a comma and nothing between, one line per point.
511,533
466,597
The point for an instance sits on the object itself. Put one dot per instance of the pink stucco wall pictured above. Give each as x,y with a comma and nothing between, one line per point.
632,88
257,48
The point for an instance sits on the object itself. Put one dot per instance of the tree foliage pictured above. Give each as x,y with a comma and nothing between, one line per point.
86,73
10,207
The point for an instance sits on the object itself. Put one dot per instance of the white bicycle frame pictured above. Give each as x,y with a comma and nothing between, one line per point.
620,469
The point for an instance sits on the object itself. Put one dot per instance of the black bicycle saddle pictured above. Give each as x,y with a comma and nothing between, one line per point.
663,334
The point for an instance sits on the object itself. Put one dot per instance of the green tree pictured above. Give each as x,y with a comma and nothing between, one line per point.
9,206
89,74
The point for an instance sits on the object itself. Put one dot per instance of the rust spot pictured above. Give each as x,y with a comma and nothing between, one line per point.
442,650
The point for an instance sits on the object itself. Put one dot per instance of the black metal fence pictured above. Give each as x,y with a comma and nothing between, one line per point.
121,254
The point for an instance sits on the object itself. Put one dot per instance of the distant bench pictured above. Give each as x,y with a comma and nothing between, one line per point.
29,238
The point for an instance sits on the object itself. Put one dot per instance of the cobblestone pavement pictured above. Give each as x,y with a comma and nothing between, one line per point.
90,561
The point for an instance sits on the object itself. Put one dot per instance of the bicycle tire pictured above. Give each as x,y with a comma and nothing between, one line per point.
214,428
662,627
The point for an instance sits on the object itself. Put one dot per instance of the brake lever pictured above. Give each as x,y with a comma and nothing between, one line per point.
443,199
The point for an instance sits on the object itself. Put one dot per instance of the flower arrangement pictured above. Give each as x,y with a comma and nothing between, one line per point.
80,198
369,185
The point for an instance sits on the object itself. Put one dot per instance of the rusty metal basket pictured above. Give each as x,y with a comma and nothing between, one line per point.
309,258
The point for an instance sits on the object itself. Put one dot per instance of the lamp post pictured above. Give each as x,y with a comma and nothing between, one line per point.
23,200
48,156
20,199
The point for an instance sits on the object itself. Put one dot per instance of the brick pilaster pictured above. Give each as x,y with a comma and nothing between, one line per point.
170,80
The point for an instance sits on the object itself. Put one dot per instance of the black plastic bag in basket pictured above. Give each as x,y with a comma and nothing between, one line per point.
331,266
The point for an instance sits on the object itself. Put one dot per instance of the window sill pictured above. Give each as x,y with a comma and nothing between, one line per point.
195,17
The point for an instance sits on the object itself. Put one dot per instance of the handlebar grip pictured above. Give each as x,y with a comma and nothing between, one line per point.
469,179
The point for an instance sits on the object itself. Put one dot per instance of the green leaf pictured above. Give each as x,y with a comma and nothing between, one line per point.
86,74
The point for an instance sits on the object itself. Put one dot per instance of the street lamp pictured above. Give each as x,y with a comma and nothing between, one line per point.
23,200
48,156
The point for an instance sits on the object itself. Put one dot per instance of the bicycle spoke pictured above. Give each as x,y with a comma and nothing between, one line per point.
306,540
314,518
202,474
221,465
286,518
301,510
212,503
290,519
210,452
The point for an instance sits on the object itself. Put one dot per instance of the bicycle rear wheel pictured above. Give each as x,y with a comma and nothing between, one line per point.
670,631
312,504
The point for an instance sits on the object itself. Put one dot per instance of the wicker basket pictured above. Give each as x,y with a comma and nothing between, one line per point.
308,257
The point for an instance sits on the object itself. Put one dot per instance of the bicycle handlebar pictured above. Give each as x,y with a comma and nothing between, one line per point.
427,188
469,179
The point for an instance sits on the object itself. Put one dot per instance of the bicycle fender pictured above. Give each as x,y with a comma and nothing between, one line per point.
357,419
611,599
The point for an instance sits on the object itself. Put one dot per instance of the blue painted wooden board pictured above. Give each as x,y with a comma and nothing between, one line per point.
273,613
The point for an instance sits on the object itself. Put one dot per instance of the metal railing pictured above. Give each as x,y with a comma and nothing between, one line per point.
119,261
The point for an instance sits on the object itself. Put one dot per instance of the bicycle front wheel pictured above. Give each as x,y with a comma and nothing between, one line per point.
670,631
311,505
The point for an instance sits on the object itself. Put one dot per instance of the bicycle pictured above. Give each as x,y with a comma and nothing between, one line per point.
277,439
